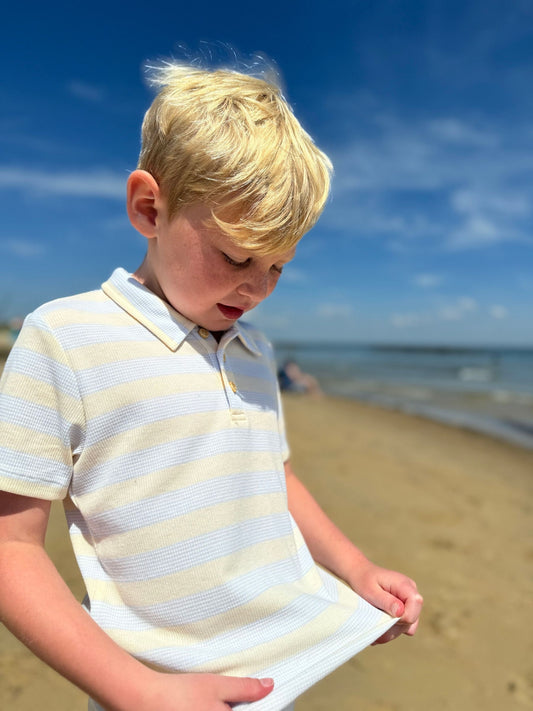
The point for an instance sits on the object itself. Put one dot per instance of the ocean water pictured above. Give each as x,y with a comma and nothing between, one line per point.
489,390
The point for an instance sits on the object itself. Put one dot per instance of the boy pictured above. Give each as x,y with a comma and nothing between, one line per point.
154,413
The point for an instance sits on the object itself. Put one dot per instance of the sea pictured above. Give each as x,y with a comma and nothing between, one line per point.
488,390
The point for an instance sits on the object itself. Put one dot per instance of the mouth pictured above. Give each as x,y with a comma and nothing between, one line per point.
230,312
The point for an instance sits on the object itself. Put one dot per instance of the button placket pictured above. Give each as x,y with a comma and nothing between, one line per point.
238,416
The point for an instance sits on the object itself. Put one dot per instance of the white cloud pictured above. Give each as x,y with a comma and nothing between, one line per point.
498,312
101,183
416,155
455,131
86,92
450,182
428,281
458,310
477,231
333,310
409,320
22,248
474,200
293,275
488,216
524,282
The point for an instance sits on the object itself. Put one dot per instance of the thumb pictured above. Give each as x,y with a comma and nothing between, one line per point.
242,689
389,603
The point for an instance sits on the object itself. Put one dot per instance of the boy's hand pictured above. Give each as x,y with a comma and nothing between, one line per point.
393,593
201,692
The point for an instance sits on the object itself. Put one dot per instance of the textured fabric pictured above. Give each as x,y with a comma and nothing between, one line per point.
168,449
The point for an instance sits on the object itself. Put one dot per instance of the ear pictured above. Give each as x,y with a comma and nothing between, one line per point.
143,202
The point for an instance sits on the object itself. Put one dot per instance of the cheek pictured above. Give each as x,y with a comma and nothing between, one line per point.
216,281
273,282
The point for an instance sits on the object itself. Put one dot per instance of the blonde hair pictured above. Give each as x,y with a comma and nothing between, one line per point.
230,141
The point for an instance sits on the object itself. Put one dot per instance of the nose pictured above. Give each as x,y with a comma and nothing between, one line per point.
257,286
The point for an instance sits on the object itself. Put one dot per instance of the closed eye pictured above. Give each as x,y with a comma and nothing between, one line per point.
234,263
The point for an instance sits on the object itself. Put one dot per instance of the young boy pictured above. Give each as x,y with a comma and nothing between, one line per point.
154,413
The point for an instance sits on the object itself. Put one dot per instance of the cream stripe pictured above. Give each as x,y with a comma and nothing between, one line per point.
217,465
274,651
76,316
97,354
51,449
268,603
108,399
187,526
165,431
148,387
93,355
42,342
38,392
82,546
192,581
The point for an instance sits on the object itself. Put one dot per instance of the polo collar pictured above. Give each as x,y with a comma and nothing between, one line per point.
156,315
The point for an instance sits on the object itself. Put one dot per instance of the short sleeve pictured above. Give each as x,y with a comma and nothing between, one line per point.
41,415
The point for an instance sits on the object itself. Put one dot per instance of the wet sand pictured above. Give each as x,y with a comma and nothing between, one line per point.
450,508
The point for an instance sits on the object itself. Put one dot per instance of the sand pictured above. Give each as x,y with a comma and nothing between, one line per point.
450,508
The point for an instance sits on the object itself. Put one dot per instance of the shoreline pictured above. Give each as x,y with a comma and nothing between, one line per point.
510,429
486,389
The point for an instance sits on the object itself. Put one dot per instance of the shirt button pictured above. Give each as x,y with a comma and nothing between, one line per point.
233,386
204,333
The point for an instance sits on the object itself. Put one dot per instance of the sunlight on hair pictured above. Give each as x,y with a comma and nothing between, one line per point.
230,140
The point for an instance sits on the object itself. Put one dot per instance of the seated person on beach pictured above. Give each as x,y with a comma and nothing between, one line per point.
292,379
153,412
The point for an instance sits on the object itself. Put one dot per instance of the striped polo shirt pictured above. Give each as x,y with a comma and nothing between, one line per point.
168,450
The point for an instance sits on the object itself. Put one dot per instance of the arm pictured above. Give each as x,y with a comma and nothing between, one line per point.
37,606
390,591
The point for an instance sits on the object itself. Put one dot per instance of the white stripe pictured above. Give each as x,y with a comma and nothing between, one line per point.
170,454
183,501
190,609
190,553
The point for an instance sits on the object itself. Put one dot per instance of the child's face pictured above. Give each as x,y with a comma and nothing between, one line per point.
203,275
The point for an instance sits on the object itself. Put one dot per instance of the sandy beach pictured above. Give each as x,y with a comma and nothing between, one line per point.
450,508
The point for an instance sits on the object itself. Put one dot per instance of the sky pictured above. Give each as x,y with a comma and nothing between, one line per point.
425,109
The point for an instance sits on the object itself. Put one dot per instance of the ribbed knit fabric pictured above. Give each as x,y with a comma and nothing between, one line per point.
168,450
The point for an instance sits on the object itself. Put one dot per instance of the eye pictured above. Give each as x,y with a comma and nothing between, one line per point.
234,263
278,270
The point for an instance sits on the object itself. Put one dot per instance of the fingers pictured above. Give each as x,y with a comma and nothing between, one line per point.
411,629
405,590
413,608
386,600
407,624
405,602
237,689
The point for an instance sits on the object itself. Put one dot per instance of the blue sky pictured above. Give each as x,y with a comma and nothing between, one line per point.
425,109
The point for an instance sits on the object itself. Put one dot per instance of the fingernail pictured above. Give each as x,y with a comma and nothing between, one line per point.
396,610
267,682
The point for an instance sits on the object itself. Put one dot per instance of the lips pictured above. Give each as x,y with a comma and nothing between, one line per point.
230,312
